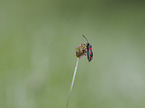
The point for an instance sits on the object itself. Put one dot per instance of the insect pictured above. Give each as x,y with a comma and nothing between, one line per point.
89,49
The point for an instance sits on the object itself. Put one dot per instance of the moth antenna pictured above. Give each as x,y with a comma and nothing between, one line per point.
85,37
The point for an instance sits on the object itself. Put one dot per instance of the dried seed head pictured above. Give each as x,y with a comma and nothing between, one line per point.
81,50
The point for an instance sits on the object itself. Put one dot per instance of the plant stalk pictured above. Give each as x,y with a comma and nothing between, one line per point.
72,83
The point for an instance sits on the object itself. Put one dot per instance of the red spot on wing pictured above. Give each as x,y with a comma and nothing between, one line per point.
90,53
89,48
90,57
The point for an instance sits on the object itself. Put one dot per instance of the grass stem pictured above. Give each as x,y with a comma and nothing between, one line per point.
72,83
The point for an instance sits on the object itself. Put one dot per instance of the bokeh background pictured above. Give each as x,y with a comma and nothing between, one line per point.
37,45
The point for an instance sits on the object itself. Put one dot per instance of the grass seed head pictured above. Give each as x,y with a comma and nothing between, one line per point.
81,50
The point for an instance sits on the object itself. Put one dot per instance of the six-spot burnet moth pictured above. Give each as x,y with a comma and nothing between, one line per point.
89,50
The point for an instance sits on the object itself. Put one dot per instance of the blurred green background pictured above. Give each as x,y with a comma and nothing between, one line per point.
37,45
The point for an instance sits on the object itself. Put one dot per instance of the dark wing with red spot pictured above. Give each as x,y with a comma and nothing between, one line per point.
89,52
